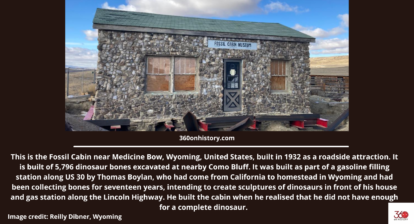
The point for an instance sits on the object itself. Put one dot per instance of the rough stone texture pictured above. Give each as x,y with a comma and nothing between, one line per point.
121,77
324,105
328,108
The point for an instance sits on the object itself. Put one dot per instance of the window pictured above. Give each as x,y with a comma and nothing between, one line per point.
232,75
279,71
184,74
163,77
158,74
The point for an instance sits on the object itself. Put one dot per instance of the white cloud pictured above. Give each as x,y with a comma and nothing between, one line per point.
91,34
321,33
199,8
344,50
121,7
329,46
81,57
318,32
345,20
283,7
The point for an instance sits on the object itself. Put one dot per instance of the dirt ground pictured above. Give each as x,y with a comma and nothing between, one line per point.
276,126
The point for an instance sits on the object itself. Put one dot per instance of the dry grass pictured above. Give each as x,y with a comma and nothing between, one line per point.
75,83
331,66
329,62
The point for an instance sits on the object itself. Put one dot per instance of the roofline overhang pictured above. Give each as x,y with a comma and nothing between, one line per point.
200,33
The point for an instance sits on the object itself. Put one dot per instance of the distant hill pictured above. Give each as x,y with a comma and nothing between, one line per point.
329,62
335,66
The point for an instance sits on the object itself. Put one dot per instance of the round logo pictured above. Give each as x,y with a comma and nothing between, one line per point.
404,214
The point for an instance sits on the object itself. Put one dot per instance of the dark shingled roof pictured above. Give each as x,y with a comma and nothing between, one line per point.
140,19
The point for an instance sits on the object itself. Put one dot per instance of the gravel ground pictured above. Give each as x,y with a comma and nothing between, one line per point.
78,124
330,110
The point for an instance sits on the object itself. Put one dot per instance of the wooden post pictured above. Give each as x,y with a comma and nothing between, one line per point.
67,84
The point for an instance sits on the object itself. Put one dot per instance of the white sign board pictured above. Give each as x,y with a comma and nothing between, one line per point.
232,45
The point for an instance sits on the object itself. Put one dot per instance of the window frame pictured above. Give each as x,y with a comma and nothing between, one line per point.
172,74
287,76
195,75
147,74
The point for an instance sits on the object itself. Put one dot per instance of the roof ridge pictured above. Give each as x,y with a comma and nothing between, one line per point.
297,30
189,17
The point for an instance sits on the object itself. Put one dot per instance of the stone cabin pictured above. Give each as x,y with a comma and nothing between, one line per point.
153,66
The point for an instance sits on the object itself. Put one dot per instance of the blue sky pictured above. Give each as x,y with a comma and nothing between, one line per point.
327,20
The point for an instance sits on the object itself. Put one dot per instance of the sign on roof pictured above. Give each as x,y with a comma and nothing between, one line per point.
232,45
